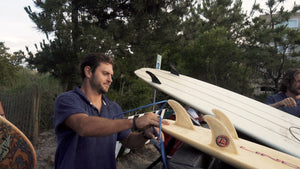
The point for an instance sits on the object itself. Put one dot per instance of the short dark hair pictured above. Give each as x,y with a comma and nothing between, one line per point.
93,60
288,79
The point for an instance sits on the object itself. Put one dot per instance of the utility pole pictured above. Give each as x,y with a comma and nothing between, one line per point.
158,66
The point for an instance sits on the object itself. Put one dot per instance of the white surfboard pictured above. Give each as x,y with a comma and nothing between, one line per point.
264,123
222,142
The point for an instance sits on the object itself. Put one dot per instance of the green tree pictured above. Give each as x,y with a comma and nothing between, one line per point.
60,57
9,64
132,32
210,47
271,46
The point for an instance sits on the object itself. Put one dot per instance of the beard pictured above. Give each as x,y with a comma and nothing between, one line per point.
294,90
97,86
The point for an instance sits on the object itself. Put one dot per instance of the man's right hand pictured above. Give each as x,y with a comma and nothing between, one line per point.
148,119
288,102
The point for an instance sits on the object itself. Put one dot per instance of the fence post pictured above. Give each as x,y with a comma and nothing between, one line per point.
35,115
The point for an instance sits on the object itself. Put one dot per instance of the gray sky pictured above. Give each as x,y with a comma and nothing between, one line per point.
18,31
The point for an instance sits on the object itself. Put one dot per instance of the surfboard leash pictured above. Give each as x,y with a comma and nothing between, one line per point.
141,107
275,159
162,148
290,129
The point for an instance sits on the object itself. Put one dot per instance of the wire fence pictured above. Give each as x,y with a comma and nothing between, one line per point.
22,109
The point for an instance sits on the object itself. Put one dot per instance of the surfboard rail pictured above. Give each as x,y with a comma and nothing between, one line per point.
16,151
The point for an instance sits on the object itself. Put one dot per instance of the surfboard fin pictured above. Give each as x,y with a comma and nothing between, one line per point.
225,120
222,137
173,69
182,118
153,77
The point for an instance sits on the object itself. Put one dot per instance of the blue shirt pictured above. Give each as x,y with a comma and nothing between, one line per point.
76,152
281,96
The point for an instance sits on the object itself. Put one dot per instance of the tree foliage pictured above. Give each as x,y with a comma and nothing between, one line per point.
132,32
210,45
212,40
270,45
9,64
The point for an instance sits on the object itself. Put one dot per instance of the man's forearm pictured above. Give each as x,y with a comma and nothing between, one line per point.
276,105
93,126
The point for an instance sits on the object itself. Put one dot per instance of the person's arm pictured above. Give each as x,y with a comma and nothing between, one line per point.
289,102
86,125
1,110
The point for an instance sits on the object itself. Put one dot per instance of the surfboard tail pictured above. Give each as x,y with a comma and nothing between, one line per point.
221,137
222,130
225,120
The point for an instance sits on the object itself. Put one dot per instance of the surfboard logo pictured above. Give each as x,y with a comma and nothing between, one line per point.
4,148
222,141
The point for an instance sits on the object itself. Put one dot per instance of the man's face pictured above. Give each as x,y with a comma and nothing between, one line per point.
102,78
295,86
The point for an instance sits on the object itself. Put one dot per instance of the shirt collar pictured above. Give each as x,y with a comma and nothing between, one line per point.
105,100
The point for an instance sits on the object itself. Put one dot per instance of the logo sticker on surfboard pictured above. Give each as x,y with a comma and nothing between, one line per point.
222,141
4,148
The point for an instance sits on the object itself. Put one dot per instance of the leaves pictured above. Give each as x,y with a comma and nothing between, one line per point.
271,44
210,40
9,65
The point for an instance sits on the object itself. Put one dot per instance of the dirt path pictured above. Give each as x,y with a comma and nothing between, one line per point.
45,150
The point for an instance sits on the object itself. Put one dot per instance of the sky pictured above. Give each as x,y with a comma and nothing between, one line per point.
17,30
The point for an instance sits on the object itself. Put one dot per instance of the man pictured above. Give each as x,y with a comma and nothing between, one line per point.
86,124
288,99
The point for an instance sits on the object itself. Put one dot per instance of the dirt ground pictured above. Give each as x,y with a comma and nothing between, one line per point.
140,158
45,150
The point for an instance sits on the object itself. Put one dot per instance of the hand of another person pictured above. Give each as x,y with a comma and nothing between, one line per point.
289,102
151,134
201,118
